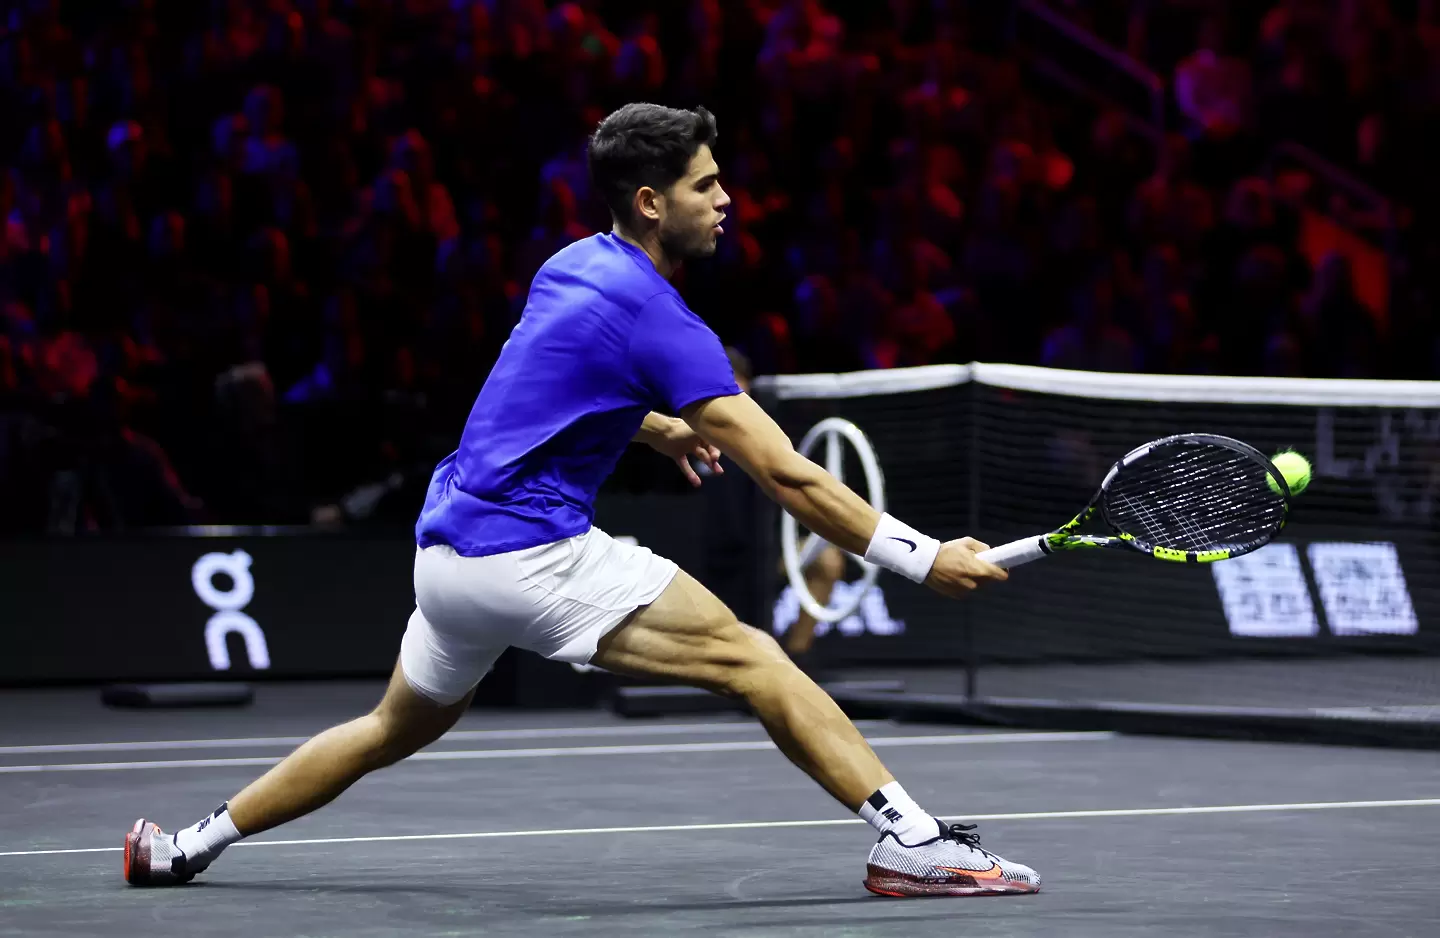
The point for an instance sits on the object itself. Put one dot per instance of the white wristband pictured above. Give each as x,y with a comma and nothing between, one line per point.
899,547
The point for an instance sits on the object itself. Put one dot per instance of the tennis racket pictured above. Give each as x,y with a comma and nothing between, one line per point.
1192,498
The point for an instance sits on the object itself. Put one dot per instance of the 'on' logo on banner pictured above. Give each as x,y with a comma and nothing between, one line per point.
229,604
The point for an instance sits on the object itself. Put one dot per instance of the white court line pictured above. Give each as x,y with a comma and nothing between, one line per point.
756,745
829,822
265,742
538,732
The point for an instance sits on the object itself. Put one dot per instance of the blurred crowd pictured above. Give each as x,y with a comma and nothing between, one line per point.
258,255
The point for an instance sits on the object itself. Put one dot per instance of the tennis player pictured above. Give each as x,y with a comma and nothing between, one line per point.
507,555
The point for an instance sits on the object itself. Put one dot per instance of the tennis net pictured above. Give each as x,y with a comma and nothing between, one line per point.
1341,614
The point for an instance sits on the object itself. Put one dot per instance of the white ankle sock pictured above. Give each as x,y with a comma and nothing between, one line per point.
202,842
891,810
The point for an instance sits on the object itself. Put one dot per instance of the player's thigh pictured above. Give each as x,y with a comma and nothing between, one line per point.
688,635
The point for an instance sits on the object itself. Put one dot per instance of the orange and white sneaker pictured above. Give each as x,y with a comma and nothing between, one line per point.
950,864
152,857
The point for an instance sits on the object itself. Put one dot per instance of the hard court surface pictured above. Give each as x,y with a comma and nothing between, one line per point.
578,823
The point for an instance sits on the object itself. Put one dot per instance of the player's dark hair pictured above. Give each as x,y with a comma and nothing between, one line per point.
645,145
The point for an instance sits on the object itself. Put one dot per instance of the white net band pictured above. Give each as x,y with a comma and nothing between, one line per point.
1200,389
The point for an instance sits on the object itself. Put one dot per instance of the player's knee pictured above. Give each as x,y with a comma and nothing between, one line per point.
765,649
392,738
754,660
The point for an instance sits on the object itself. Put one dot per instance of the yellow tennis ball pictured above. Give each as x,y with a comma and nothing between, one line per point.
1294,467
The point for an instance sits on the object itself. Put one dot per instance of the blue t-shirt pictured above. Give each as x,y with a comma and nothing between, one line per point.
603,341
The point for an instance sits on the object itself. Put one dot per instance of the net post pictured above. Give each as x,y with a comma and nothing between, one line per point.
973,467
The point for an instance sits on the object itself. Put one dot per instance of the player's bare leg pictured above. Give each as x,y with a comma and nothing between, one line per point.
309,778
820,578
688,635
316,773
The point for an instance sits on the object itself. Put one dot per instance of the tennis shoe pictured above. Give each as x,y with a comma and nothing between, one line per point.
152,857
950,864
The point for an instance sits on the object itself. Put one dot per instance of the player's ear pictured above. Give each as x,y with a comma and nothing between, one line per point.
647,203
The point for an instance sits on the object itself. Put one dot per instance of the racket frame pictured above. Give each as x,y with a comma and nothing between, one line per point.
1064,537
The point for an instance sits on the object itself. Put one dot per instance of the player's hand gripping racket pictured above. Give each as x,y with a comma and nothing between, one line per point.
1192,498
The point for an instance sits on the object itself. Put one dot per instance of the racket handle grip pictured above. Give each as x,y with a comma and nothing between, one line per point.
1016,552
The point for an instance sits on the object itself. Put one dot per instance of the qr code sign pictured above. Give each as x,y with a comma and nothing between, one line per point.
1264,594
1362,589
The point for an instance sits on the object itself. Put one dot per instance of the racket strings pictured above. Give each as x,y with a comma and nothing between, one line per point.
1213,510
1194,497
1204,507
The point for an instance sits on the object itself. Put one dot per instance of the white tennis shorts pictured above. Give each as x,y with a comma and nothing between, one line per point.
557,599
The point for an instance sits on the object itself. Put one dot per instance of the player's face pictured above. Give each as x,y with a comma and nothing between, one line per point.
694,208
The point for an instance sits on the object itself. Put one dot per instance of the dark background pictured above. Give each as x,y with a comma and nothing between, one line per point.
258,257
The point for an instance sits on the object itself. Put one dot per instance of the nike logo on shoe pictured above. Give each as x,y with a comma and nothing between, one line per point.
993,873
904,541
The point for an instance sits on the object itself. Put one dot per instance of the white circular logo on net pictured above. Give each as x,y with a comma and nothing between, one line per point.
835,432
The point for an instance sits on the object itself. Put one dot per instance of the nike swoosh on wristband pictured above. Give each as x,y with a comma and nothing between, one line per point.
993,873
904,541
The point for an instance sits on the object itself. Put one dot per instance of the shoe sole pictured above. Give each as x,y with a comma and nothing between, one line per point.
132,851
905,887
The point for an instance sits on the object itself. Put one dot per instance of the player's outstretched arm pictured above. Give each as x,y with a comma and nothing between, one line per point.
748,435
